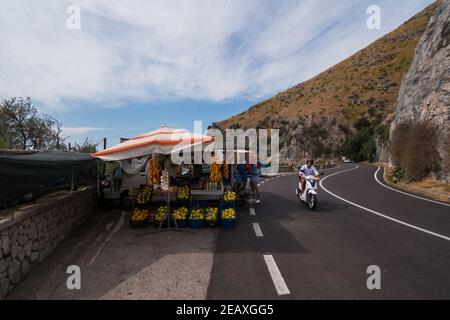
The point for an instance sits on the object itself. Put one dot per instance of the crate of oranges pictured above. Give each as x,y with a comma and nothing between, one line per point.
139,218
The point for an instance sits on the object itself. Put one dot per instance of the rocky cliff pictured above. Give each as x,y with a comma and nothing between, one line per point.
424,95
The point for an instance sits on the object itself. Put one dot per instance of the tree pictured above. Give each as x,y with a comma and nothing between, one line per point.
58,138
89,146
21,127
17,114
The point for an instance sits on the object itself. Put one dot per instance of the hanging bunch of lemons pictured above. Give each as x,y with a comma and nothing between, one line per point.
153,175
225,170
215,175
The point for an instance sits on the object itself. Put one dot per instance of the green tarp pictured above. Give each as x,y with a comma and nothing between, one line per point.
22,174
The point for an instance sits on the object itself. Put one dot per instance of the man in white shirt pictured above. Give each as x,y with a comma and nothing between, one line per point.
307,170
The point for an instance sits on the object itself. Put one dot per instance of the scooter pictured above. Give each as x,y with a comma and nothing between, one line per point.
309,196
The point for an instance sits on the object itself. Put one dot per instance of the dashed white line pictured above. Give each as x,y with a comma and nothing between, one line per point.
252,212
377,213
405,193
275,274
258,230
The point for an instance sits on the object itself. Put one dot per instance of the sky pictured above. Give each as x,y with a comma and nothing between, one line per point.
133,65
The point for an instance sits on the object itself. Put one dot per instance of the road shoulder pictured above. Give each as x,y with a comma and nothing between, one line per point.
412,188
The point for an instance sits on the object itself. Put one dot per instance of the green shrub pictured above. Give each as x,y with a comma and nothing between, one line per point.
398,175
414,148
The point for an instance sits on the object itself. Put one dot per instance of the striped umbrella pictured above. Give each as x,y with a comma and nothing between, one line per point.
165,140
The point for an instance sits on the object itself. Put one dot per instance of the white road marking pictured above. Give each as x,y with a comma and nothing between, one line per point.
117,228
406,193
377,213
258,230
109,225
276,276
252,212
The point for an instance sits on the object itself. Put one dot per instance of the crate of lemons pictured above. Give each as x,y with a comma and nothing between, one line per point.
197,218
179,215
211,216
144,196
161,216
229,196
228,219
139,218
183,193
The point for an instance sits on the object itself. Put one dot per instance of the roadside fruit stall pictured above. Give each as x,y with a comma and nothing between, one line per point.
194,196
198,202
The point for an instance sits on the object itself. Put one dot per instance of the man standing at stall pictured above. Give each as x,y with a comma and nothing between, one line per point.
253,170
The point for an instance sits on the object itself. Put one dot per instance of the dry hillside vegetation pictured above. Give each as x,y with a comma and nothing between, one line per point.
332,107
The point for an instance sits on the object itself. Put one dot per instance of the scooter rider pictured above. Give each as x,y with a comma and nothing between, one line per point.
307,170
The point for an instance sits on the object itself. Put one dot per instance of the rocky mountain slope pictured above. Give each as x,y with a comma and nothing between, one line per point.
424,101
346,108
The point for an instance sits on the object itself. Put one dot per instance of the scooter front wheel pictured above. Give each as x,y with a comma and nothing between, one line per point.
313,202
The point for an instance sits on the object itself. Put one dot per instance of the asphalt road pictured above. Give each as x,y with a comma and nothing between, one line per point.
279,250
294,253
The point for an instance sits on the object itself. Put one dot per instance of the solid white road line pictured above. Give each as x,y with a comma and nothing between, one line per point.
377,213
252,212
276,276
406,193
258,230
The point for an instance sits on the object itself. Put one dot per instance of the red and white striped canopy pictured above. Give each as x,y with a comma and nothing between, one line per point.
165,140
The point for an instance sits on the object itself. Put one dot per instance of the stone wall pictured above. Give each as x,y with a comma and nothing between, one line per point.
30,233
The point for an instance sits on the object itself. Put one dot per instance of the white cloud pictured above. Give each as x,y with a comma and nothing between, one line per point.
199,49
80,131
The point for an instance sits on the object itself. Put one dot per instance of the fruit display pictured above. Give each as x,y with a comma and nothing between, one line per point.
229,196
197,214
139,215
180,213
214,174
183,193
161,213
229,213
144,196
211,214
153,175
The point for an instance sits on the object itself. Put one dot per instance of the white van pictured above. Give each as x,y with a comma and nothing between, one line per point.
113,192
